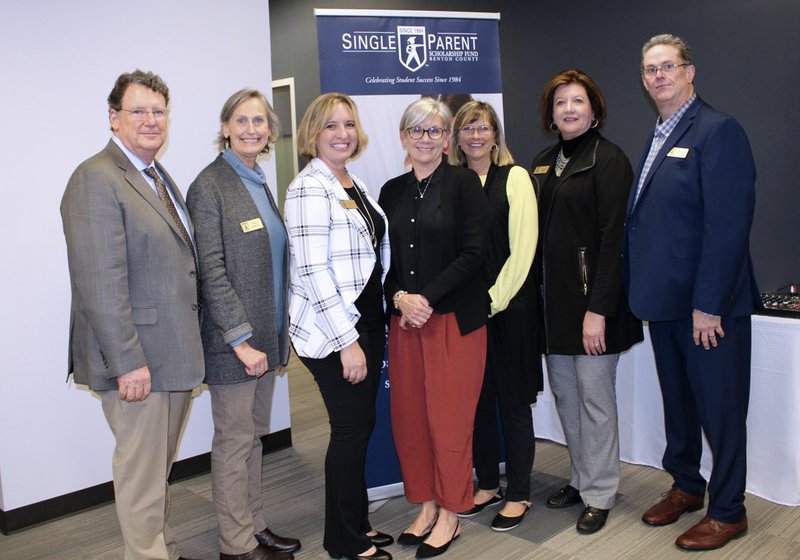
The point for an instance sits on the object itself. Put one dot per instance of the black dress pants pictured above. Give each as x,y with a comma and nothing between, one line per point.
351,412
509,389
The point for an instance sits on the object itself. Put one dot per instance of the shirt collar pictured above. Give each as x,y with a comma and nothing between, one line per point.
665,128
135,160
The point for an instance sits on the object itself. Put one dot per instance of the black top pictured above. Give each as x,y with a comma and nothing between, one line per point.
438,232
581,221
370,301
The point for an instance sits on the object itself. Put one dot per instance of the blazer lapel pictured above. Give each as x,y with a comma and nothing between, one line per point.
134,178
677,133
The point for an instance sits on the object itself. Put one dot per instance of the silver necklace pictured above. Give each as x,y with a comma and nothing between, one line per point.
421,191
367,217
561,162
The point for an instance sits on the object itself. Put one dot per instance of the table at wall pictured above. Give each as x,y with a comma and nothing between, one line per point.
773,424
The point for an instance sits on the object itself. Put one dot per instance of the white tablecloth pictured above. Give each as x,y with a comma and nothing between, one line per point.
773,424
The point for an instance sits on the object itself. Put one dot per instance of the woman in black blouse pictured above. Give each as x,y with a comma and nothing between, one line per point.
438,228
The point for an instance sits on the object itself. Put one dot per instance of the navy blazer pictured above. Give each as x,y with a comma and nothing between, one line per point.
687,237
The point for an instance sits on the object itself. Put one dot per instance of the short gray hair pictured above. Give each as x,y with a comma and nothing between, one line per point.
425,109
667,39
233,103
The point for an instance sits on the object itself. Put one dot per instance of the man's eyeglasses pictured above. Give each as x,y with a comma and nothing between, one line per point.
417,132
666,69
140,114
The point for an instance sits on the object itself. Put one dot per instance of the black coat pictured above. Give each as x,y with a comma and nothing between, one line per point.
582,220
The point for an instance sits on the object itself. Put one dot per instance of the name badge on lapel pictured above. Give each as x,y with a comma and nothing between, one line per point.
252,225
678,152
348,203
538,170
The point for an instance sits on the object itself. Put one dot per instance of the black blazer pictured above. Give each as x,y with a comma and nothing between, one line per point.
439,242
582,220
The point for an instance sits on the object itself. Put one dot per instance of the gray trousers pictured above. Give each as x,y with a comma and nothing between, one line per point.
584,387
241,413
147,435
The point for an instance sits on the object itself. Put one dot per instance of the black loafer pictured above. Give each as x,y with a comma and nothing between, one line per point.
381,539
592,520
567,496
494,500
503,523
275,542
410,539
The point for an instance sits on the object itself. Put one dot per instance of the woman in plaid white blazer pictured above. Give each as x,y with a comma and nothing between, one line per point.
339,257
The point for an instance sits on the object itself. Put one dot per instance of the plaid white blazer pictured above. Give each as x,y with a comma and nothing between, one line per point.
331,260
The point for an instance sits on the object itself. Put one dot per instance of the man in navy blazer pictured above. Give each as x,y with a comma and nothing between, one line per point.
688,272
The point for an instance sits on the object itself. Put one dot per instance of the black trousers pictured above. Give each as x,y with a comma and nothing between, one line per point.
351,412
501,388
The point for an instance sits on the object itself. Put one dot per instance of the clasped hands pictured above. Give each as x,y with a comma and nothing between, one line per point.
415,311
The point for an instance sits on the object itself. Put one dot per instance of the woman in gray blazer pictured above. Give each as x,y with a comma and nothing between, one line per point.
242,249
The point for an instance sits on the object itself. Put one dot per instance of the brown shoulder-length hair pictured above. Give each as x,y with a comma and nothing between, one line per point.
468,114
314,121
572,76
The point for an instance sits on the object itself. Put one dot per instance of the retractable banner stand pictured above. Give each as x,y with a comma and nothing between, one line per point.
385,60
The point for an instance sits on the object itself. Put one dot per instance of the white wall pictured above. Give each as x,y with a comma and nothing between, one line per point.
58,62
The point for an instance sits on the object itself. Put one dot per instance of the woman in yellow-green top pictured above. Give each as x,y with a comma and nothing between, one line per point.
513,374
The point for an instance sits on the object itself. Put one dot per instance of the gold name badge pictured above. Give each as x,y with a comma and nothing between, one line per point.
678,153
252,225
348,203
541,169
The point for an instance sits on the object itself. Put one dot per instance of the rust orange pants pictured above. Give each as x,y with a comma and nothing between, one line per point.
436,376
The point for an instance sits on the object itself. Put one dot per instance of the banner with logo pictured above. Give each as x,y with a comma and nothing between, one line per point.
385,60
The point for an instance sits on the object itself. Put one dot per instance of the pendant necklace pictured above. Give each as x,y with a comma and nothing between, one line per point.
421,190
367,217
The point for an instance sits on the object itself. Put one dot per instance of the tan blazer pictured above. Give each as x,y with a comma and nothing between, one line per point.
134,292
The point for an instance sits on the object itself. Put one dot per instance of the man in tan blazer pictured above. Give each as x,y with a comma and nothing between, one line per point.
134,327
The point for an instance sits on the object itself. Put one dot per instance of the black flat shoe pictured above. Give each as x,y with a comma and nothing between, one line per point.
567,496
379,554
410,539
276,542
494,500
381,539
503,523
592,520
427,551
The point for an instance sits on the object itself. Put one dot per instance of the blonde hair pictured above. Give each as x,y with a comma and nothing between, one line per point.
317,114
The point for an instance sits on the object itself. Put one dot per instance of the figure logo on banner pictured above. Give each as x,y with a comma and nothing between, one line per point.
411,40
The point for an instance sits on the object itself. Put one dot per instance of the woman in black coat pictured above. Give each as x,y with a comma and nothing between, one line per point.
583,183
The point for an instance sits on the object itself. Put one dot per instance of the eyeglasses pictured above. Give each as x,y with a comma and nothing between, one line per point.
482,130
140,113
417,132
666,69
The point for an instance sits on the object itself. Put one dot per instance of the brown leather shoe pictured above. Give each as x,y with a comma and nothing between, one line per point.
276,542
675,502
710,534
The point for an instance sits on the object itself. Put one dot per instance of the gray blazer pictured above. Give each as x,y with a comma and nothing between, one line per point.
134,290
235,274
